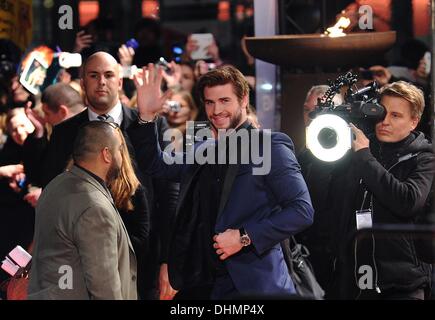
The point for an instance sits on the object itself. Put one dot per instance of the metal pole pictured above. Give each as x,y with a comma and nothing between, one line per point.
266,23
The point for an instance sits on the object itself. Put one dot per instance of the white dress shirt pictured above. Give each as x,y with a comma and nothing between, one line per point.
115,113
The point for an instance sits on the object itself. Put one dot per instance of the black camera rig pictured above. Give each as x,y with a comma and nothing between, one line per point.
360,104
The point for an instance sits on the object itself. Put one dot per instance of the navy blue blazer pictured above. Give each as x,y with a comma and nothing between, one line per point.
270,207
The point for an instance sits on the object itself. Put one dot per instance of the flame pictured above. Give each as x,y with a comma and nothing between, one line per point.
337,30
45,54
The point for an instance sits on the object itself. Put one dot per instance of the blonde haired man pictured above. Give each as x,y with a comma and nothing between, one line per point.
390,178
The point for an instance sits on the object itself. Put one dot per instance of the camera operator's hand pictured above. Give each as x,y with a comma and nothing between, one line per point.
149,97
37,121
381,74
125,55
165,288
359,140
173,80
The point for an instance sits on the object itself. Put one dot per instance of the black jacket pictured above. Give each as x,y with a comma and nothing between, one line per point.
155,201
398,177
17,217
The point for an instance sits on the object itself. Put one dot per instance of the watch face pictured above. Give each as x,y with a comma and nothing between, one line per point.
245,240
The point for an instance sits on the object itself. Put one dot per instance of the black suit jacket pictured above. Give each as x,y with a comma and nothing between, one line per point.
155,201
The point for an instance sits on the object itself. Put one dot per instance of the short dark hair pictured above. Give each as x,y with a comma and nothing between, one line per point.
59,94
93,137
222,76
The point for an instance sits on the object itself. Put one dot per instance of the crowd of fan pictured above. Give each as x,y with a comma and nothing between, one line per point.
27,122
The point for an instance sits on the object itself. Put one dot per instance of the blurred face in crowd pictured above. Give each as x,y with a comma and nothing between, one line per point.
101,82
63,76
311,103
19,94
309,106
124,99
187,78
20,127
54,118
223,108
398,122
180,117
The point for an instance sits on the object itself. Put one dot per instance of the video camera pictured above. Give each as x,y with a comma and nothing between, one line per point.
329,135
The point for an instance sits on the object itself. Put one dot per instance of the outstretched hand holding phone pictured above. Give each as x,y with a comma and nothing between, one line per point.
83,40
202,46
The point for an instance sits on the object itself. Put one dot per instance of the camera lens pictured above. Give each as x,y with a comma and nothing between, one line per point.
328,138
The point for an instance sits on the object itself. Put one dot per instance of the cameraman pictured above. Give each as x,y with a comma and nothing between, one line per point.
390,176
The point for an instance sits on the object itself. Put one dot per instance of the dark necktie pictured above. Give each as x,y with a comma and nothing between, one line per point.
105,117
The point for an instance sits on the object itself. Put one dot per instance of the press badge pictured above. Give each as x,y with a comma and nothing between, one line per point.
363,219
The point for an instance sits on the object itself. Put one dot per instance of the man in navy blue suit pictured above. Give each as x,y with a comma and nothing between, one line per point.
231,216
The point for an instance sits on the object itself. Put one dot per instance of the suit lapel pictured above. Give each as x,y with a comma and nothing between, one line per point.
186,187
125,229
83,116
193,171
230,176
128,120
226,189
128,117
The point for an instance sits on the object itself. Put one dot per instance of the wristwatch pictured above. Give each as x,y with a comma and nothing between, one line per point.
244,237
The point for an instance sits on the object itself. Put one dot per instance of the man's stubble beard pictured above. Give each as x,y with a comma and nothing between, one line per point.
234,121
114,172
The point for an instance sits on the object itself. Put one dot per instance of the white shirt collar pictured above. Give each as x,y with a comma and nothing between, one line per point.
115,113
